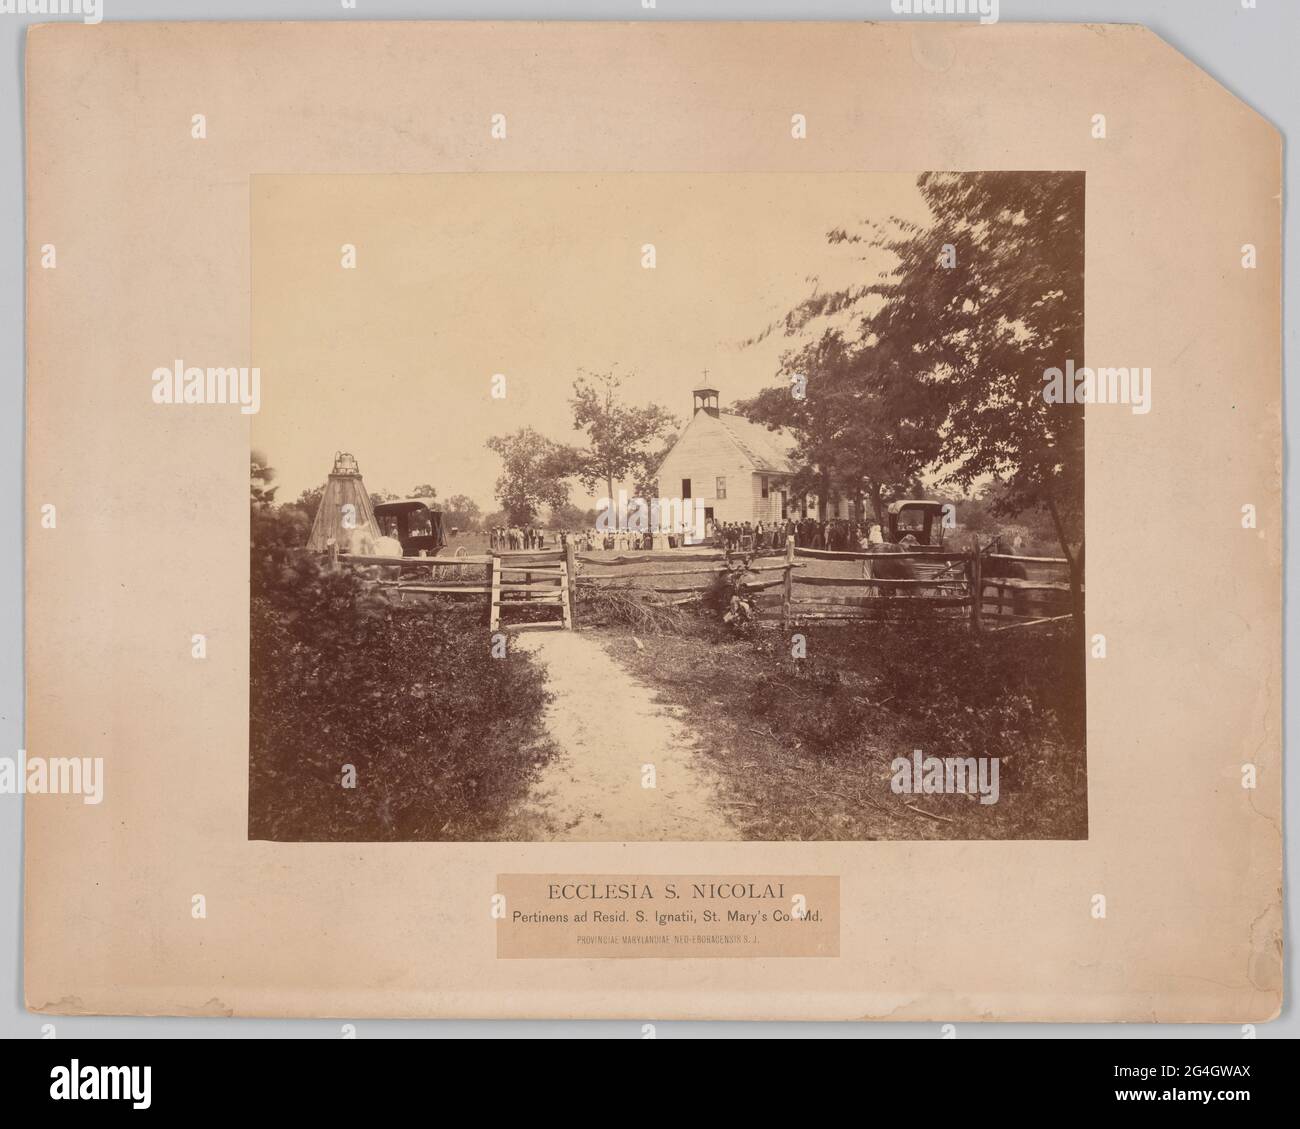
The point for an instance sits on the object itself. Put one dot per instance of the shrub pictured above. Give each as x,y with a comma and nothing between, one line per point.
955,693
729,600
441,734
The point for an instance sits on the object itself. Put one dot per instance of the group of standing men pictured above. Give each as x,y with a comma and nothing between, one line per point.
838,534
520,537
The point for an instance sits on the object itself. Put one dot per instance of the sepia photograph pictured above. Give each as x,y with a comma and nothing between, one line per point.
758,526
661,507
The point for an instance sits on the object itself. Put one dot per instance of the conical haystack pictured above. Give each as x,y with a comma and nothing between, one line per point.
346,518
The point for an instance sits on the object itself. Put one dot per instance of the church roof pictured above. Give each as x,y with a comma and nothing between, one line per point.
768,451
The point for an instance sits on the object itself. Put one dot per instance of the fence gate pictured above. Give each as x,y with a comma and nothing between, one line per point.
531,580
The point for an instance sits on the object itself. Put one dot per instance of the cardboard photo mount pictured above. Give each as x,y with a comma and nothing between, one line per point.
151,227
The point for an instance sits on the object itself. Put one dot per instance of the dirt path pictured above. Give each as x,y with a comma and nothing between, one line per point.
608,725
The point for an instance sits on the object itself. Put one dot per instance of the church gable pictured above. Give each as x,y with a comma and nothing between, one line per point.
734,467
704,447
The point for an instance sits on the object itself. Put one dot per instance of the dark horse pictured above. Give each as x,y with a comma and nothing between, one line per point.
991,569
902,568
908,568
917,568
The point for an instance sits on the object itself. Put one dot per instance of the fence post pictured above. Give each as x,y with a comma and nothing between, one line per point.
571,567
787,588
976,591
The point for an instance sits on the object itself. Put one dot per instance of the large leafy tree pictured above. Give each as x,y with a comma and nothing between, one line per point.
808,411
533,473
985,330
623,441
645,474
953,341
860,425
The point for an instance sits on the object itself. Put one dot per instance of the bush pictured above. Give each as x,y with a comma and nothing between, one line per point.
729,600
441,734
957,693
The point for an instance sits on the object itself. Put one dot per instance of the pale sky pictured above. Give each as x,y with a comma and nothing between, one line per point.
534,275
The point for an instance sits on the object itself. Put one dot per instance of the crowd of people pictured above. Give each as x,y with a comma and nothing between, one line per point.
837,534
593,539
504,537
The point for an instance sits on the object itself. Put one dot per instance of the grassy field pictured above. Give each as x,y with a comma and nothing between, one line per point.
805,746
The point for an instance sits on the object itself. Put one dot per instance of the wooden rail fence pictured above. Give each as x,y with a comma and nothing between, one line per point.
510,580
939,579
973,580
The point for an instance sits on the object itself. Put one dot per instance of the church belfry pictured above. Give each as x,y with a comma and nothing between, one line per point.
706,400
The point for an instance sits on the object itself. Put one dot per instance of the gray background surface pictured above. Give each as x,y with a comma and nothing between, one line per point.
1251,52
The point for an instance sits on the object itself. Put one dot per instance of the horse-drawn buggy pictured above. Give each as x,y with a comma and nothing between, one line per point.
914,561
411,522
914,531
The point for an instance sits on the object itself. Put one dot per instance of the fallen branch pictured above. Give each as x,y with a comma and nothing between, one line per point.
927,814
1032,623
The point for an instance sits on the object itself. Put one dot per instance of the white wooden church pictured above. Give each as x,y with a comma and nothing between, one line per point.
737,469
